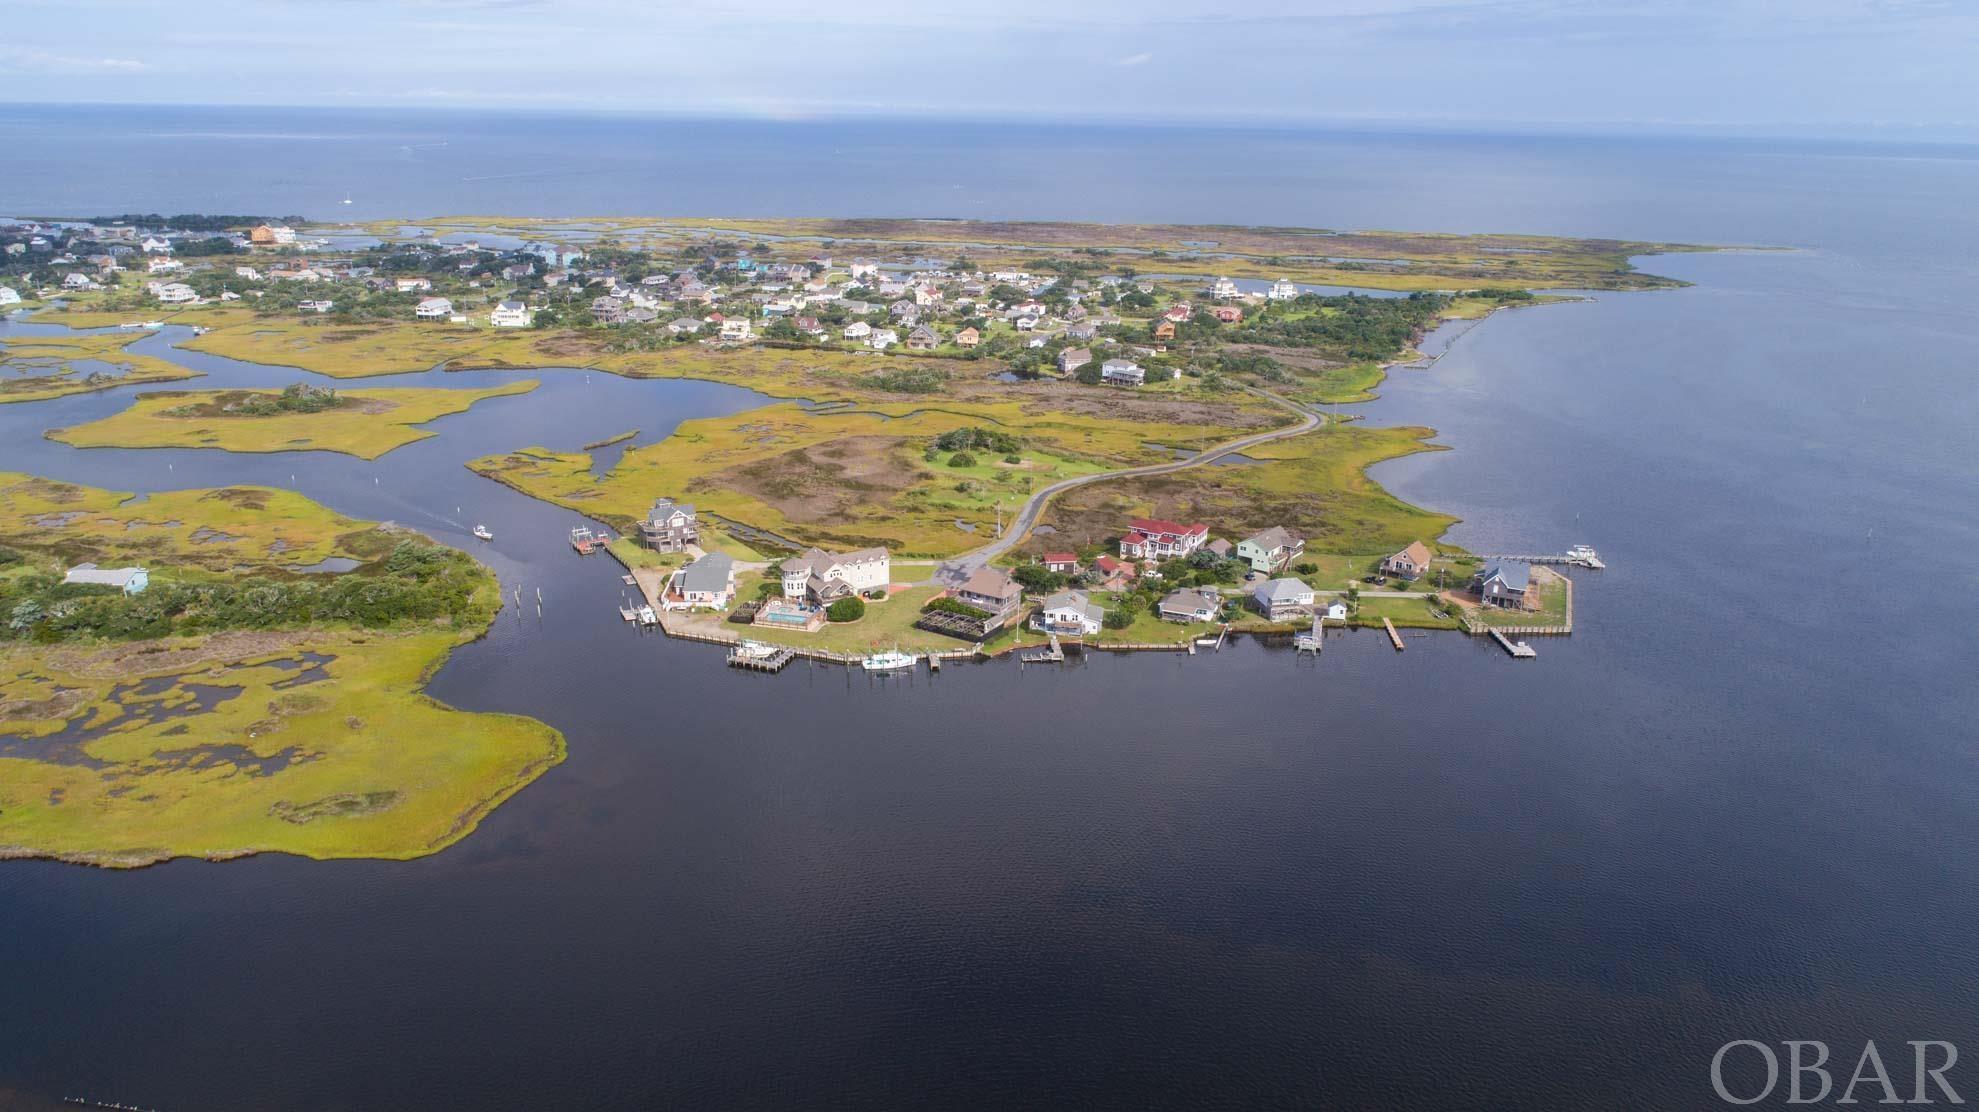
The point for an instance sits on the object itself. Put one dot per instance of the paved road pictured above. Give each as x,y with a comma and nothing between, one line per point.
958,568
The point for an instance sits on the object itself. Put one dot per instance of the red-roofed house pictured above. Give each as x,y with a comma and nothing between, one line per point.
1150,539
1116,573
1064,563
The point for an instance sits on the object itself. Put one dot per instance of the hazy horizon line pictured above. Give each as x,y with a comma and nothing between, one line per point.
1593,128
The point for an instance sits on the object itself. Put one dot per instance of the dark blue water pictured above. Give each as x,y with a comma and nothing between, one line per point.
1738,802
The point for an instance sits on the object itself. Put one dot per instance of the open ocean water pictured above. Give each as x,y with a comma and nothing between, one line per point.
1742,801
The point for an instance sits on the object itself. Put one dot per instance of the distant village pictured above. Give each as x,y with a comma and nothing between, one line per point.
1105,328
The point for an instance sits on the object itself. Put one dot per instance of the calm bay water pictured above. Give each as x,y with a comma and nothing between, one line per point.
1740,802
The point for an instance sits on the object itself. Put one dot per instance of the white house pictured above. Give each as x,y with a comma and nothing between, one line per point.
823,577
707,582
9,296
316,306
858,330
412,285
862,268
433,308
173,293
737,328
1283,290
131,581
1336,611
883,339
1224,290
77,280
248,273
153,245
161,264
1069,612
511,314
1122,372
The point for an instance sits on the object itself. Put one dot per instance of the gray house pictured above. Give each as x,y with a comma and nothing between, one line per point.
669,526
1282,599
1505,583
1195,604
707,582
1271,550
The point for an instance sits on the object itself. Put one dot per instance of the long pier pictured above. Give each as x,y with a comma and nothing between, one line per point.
1579,561
1393,635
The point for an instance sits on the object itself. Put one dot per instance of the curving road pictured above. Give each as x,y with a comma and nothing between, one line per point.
958,568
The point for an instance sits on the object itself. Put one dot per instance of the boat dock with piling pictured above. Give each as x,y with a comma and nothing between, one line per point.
1519,650
753,657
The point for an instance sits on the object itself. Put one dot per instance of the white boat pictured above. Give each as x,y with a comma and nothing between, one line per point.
482,532
647,616
755,650
893,660
152,324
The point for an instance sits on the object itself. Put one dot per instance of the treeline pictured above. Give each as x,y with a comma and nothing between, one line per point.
1352,327
192,221
417,582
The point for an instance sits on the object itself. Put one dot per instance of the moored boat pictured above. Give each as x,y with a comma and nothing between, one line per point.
893,660
482,532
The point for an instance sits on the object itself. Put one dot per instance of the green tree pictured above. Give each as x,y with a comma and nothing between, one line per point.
846,610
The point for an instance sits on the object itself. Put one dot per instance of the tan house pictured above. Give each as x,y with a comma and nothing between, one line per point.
1409,563
968,338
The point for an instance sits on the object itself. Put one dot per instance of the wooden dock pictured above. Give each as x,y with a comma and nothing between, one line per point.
1052,655
1313,642
1588,560
1393,635
1519,650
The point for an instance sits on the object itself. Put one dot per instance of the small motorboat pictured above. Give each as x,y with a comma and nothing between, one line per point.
893,660
482,532
647,616
755,650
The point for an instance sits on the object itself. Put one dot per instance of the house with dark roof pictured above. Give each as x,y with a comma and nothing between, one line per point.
1506,584
707,583
1191,604
669,526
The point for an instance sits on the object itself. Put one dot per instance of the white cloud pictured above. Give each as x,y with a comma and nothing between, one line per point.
18,59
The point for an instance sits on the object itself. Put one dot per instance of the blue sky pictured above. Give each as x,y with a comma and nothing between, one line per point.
1839,66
